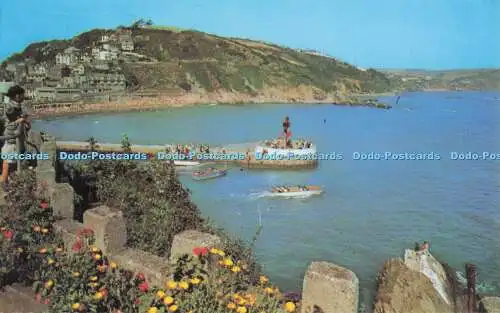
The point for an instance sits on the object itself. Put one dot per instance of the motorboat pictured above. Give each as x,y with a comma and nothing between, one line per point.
186,163
209,173
298,191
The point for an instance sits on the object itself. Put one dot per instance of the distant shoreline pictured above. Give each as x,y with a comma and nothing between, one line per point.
193,100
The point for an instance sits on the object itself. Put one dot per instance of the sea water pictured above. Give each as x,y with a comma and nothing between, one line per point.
371,209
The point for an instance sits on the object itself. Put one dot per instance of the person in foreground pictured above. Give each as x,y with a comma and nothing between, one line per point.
14,114
10,145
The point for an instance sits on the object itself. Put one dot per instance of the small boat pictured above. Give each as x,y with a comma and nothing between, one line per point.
295,191
186,163
208,174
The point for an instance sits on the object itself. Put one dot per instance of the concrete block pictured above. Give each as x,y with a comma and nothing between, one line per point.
185,242
109,228
46,180
61,198
156,269
330,288
68,229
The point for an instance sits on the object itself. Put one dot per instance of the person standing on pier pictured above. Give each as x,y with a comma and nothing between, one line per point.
286,131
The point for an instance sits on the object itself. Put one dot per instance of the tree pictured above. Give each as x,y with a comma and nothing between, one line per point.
141,22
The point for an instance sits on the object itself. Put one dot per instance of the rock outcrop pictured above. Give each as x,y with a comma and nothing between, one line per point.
329,288
489,305
404,288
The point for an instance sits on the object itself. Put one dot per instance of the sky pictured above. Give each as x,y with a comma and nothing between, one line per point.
424,34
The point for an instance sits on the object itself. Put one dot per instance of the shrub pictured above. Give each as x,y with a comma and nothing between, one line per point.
154,202
209,281
26,225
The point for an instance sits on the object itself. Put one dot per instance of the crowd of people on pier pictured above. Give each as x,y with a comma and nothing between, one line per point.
188,148
14,115
292,144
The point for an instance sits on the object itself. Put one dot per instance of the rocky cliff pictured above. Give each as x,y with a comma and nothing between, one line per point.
417,284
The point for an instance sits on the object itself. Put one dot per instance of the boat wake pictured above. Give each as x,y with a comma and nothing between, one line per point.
271,195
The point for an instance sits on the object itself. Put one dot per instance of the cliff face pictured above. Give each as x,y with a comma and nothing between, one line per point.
403,288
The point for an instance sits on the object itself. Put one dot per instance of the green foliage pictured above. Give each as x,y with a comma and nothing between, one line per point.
125,143
92,144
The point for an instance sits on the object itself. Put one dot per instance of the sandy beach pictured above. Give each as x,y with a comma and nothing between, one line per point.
301,94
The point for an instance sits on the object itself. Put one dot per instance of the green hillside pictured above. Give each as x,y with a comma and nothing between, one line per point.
191,59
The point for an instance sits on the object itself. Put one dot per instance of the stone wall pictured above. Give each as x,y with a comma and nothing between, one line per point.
108,225
327,286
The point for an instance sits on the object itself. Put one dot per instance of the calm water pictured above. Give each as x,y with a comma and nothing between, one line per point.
371,210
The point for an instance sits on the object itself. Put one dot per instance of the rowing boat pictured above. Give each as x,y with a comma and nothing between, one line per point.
208,174
186,163
295,191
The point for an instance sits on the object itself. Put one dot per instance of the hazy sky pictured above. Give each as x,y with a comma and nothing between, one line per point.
434,34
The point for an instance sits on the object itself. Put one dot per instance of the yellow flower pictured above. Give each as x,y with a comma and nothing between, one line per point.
171,284
263,279
75,306
231,306
241,301
214,251
221,253
236,296
97,256
93,284
113,265
236,269
168,300
241,309
290,307
268,290
49,283
195,281
50,261
95,249
45,230
20,249
75,274
172,308
160,294
98,296
184,285
152,310
228,262
93,278
251,299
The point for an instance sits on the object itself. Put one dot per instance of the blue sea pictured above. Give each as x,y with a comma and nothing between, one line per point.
371,209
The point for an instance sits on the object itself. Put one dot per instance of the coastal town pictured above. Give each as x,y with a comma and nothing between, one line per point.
72,75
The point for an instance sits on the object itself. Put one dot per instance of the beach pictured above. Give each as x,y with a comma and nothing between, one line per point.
131,103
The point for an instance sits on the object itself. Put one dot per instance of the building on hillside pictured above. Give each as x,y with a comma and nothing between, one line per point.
44,94
37,72
104,38
54,72
105,55
104,82
68,57
86,58
101,65
127,45
78,69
